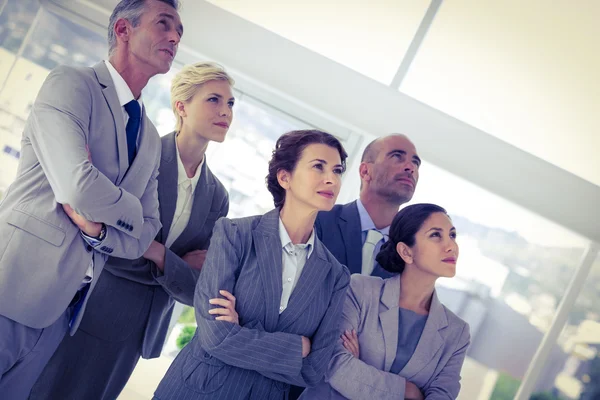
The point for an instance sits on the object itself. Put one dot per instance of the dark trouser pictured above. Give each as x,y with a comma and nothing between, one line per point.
24,352
87,367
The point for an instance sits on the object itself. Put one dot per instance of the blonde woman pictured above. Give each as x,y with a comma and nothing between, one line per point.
128,313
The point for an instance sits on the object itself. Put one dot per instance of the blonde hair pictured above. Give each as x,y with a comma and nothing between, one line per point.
187,82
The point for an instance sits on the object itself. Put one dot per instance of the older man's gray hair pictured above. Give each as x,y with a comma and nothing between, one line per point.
132,11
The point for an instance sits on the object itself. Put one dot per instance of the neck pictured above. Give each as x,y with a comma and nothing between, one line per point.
135,76
191,150
381,211
298,221
417,289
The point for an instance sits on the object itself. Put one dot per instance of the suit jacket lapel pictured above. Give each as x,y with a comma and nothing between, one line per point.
202,201
167,185
349,223
110,94
315,270
388,317
268,254
431,339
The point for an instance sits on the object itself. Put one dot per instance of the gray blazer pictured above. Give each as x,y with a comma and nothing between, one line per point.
43,258
371,307
126,287
262,356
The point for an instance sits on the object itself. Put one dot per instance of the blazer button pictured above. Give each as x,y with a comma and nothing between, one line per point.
120,223
130,228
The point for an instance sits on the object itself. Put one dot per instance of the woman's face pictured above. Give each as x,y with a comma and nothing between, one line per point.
435,250
315,182
209,113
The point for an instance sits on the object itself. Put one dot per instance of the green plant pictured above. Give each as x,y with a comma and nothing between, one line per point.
187,333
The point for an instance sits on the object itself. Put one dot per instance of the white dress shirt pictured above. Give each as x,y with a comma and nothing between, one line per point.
125,96
294,259
185,195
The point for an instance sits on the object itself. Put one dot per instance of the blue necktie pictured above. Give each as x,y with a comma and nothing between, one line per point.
132,128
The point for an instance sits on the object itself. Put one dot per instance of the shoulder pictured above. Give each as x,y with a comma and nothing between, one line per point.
331,215
366,288
220,190
459,327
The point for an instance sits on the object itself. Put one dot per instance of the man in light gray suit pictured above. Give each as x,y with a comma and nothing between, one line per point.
86,188
129,313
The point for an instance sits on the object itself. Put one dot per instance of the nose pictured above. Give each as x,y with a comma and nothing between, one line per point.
225,111
174,37
409,166
452,246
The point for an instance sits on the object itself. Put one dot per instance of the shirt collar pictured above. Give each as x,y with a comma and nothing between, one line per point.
287,242
182,175
366,223
123,91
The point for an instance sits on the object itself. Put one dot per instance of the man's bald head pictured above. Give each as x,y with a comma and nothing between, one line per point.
389,169
374,148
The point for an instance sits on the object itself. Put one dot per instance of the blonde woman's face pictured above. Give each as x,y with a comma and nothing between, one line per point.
210,112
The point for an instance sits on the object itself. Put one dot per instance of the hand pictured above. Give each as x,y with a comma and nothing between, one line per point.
350,340
156,254
227,312
88,227
412,392
195,258
306,346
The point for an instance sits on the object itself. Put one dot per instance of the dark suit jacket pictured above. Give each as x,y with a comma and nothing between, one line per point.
340,231
262,356
114,309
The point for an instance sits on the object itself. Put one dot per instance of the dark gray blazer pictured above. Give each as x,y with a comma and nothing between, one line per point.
341,232
115,308
43,258
262,356
371,307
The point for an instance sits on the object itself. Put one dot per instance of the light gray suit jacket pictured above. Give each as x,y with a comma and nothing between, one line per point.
371,307
43,258
127,285
262,356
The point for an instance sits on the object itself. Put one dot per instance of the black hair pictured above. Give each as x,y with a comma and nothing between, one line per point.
404,227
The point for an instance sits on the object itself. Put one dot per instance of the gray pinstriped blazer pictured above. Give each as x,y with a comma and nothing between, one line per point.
262,356
371,307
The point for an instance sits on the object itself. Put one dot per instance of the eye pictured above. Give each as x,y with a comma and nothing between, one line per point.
318,166
453,235
338,171
213,99
231,104
435,234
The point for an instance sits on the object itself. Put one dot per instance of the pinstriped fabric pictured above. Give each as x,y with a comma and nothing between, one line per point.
262,356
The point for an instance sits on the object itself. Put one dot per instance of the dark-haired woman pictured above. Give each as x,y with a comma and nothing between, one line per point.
269,298
399,341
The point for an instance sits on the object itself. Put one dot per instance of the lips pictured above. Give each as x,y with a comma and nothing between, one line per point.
450,260
326,193
169,52
408,181
222,124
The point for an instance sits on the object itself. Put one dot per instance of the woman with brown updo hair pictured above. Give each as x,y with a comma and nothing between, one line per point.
399,341
270,295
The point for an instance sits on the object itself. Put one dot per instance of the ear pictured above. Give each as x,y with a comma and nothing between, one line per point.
405,253
363,171
283,177
180,106
122,29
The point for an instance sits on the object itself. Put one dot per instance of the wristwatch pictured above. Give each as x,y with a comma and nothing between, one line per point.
102,233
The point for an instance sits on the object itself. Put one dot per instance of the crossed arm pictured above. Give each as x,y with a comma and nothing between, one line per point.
59,137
